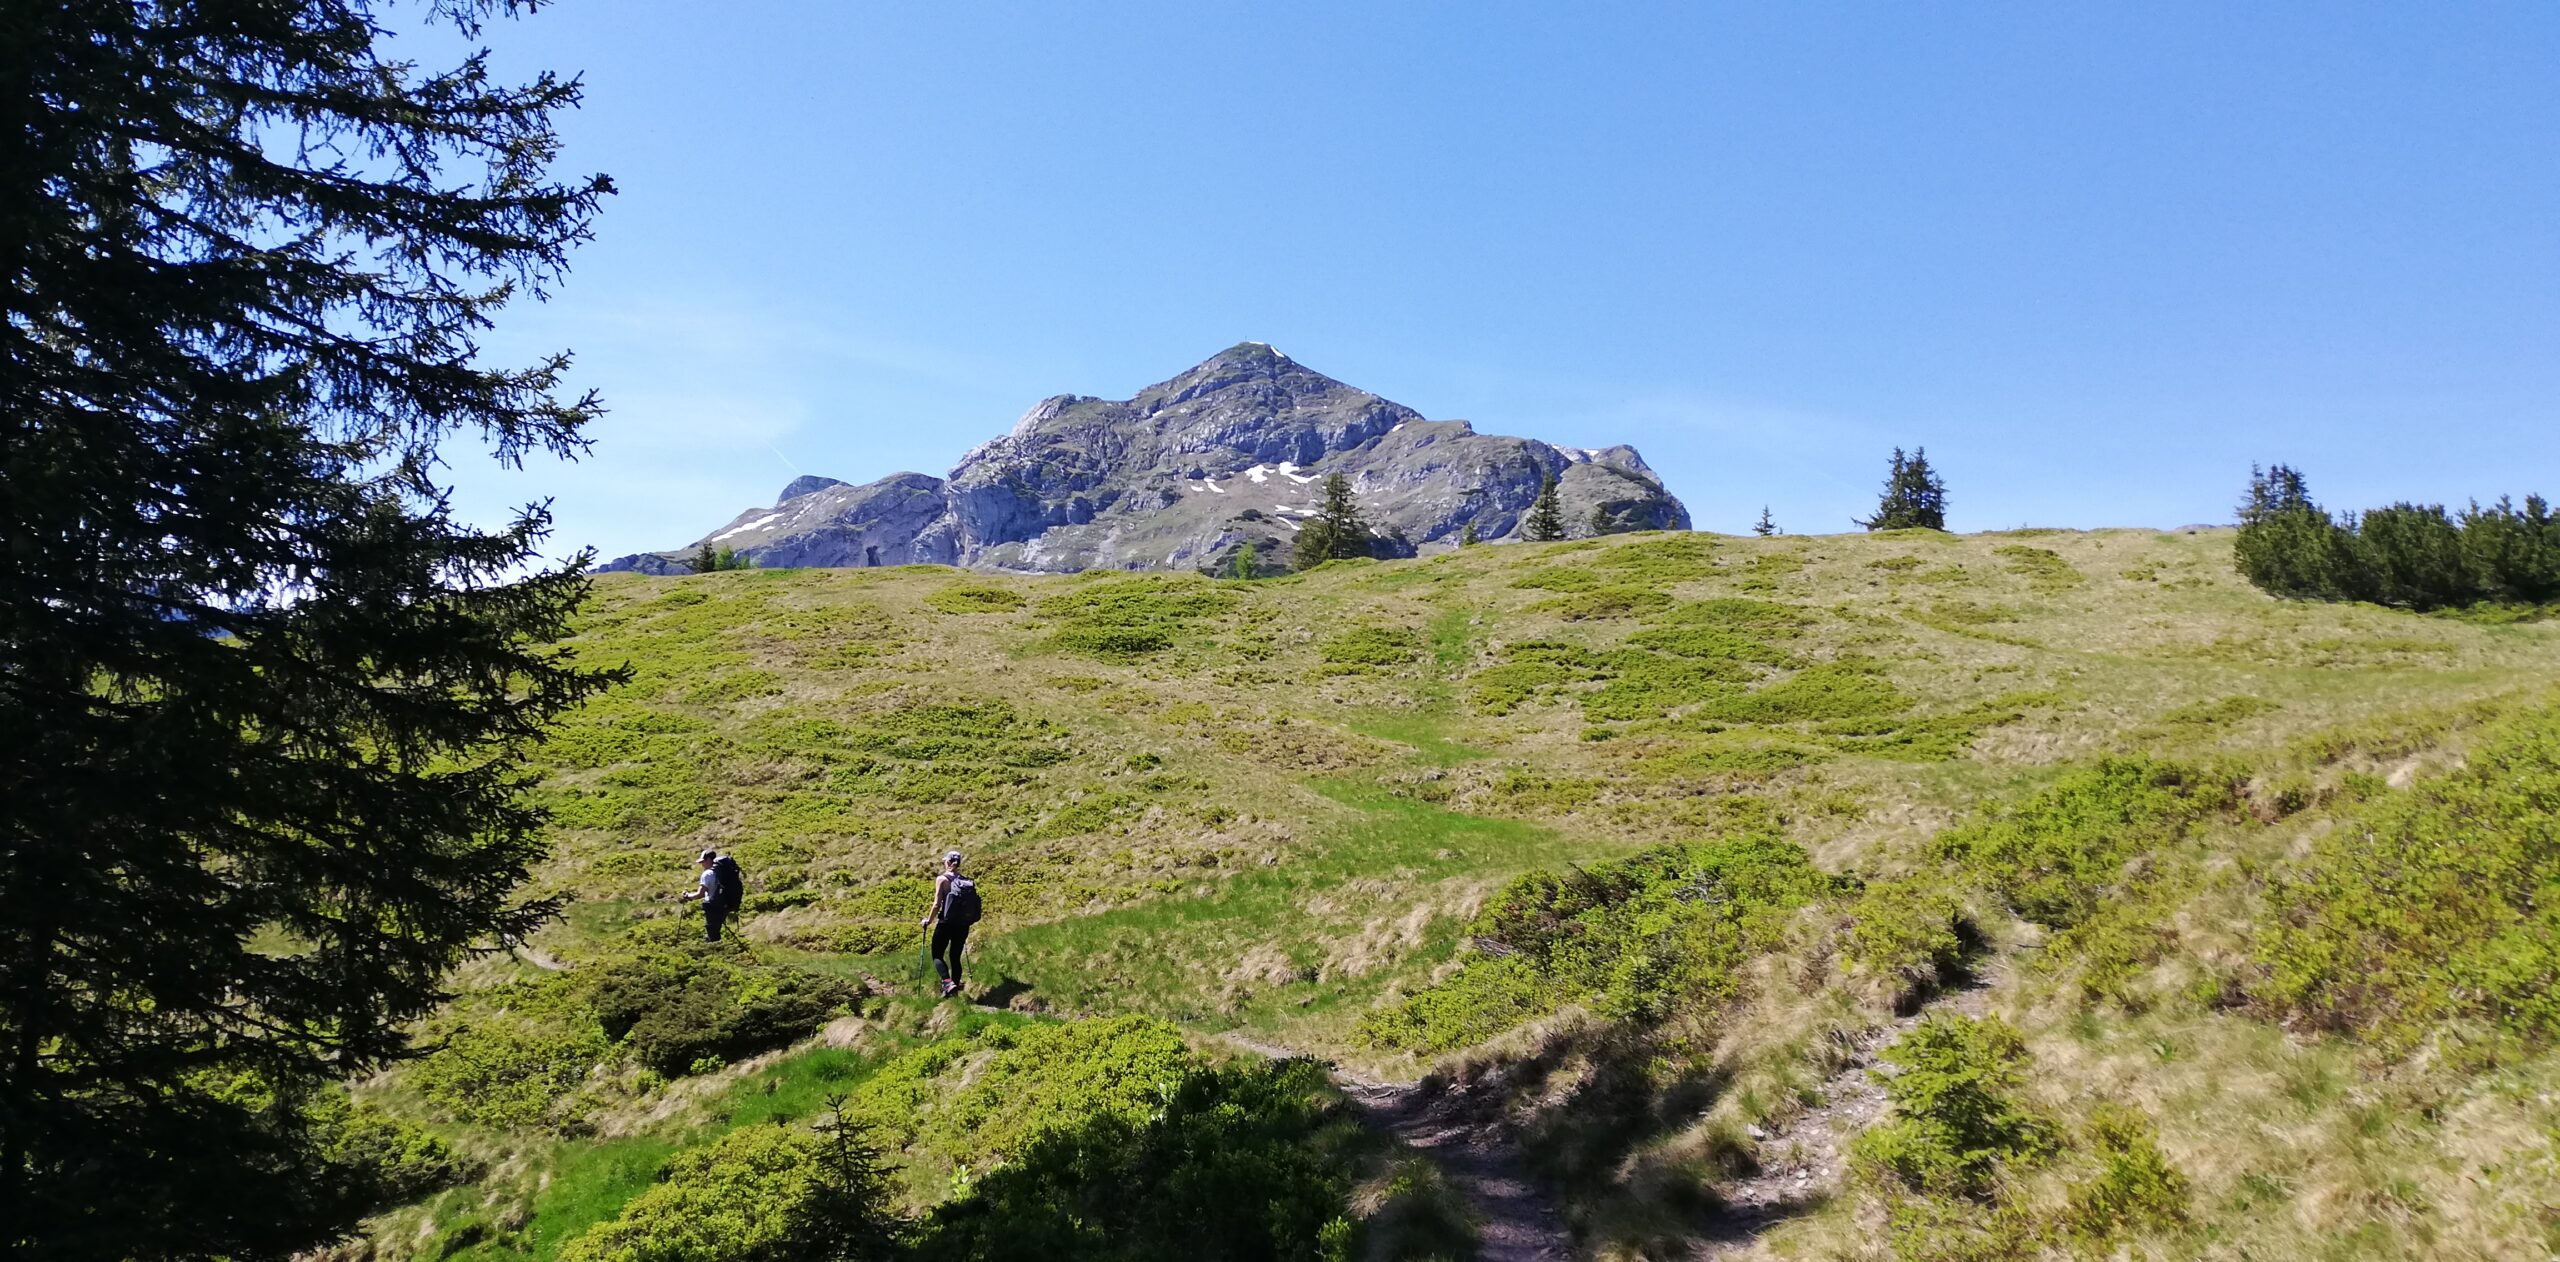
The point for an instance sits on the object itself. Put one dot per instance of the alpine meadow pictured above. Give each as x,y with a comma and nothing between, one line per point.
2184,920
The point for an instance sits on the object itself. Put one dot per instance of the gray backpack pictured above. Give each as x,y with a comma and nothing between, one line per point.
960,907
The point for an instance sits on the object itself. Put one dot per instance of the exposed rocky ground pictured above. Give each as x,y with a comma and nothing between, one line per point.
1181,476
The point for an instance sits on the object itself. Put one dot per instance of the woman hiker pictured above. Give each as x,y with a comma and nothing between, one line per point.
955,908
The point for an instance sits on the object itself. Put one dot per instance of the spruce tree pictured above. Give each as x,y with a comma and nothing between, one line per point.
2289,546
1245,561
1545,523
258,684
1766,526
1914,497
1467,537
706,559
1337,531
1601,522
849,1214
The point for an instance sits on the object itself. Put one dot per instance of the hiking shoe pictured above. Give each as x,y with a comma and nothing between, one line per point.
949,989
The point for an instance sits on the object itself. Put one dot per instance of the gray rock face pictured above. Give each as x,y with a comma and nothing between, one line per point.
1184,474
804,484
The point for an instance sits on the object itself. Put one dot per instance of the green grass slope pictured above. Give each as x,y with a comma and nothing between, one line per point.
1645,838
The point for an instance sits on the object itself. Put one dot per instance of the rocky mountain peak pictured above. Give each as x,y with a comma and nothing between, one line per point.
1251,365
1188,470
803,485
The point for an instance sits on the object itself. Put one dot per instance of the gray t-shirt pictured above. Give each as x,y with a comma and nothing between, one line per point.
710,885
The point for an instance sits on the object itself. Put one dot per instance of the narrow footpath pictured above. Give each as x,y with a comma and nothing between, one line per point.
1806,1161
1514,1218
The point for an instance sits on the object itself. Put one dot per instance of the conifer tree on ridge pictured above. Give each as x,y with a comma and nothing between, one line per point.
1914,496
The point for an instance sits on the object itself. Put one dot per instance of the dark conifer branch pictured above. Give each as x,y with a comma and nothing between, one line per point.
256,682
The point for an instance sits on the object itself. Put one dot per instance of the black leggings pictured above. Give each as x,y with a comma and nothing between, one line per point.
947,940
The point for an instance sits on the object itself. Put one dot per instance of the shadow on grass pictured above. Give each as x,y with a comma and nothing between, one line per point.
1003,993
1595,1109
1173,956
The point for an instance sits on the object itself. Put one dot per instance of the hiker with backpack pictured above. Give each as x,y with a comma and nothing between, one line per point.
721,889
955,908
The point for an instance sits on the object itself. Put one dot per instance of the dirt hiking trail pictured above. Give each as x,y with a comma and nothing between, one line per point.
1805,1161
1514,1218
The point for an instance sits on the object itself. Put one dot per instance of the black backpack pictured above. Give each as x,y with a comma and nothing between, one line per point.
730,883
960,907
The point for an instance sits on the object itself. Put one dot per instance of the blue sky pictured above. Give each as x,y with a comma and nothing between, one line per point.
2096,257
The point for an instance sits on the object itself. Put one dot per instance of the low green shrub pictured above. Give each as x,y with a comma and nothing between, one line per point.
2057,856
657,796
2128,932
1111,644
1957,1123
1371,646
1667,927
1143,600
2044,569
1483,999
2437,903
1127,618
2216,713
380,1158
1680,558
1021,1081
610,731
1559,578
1961,614
1740,615
672,1012
971,752
1769,570
1523,789
510,1071
1912,931
1928,1229
1712,642
1530,670
1635,684
1418,1214
1904,737
1836,690
735,685
2135,1188
770,1193
1610,601
1245,1162
1729,755
969,598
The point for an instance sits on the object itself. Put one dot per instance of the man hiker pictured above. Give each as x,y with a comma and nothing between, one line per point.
955,908
720,888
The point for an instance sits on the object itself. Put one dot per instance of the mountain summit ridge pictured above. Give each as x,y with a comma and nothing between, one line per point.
1183,474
